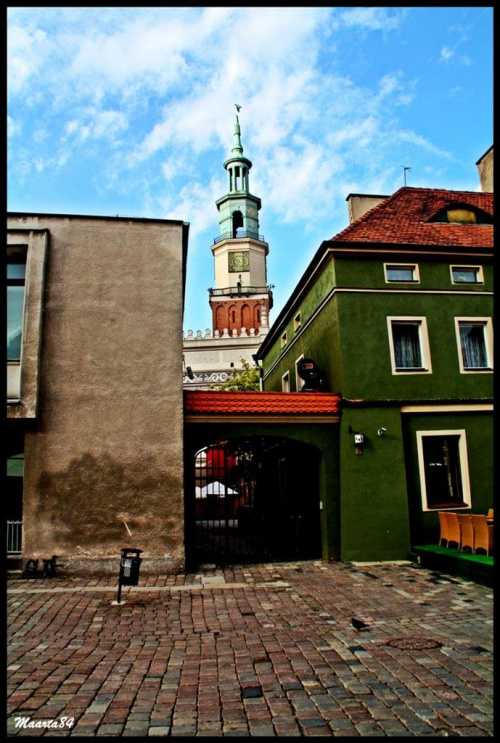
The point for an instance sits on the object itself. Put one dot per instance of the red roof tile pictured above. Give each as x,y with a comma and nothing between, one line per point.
404,218
230,403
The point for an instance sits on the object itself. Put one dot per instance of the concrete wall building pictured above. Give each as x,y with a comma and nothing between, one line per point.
95,407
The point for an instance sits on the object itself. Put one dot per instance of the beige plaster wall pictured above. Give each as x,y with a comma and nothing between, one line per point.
103,460
485,167
359,204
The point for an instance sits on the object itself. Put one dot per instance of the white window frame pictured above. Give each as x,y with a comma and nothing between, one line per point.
285,382
297,322
464,467
413,266
283,339
421,322
487,324
299,382
458,266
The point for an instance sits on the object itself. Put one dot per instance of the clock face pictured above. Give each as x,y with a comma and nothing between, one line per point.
239,261
252,212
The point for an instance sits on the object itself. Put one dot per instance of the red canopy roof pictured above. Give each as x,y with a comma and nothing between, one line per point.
213,401
404,218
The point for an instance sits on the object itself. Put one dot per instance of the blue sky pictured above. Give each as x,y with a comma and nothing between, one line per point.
130,111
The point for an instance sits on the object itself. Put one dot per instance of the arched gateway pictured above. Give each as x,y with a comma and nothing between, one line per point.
261,476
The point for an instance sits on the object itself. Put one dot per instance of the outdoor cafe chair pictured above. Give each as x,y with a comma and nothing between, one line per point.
466,531
453,529
483,533
443,528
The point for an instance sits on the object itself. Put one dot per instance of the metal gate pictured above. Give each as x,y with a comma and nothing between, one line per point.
256,499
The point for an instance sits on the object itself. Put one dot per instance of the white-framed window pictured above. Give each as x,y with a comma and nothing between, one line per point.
409,345
475,344
444,469
299,382
285,382
297,322
401,273
467,275
283,339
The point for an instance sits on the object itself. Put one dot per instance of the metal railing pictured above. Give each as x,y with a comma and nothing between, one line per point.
14,532
240,232
237,291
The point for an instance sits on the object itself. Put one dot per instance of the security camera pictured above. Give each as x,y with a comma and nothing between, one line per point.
381,431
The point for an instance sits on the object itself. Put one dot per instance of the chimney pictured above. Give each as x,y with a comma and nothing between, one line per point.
485,167
359,203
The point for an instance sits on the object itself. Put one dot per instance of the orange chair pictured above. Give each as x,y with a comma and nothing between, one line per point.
443,528
466,531
483,534
453,529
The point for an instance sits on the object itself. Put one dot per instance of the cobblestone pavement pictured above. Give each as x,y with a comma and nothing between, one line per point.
264,650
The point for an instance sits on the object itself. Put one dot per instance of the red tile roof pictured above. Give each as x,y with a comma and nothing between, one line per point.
404,218
279,403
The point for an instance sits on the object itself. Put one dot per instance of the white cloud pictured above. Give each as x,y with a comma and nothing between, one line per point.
446,54
373,19
12,127
25,54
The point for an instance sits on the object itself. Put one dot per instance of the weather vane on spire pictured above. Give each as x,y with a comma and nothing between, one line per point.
237,107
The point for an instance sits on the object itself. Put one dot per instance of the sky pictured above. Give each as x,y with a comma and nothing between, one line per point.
130,111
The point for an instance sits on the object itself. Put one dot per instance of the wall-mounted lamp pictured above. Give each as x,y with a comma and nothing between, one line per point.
359,442
382,431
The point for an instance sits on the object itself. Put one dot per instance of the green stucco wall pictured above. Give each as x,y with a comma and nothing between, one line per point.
381,513
374,503
349,337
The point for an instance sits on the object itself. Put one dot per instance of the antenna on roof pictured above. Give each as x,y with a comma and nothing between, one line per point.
405,168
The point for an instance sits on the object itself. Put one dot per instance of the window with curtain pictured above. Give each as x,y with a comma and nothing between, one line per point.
444,475
473,345
407,345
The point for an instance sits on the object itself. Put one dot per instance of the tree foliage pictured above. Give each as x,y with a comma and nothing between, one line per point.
246,379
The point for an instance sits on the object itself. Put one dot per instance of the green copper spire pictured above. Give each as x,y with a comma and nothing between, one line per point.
238,209
238,147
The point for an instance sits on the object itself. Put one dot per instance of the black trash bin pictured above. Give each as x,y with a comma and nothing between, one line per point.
130,564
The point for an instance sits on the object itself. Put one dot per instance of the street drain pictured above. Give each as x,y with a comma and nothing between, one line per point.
414,643
252,692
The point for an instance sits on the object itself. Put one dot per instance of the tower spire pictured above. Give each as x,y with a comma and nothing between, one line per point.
237,147
241,291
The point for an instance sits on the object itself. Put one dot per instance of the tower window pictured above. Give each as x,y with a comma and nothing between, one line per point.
238,224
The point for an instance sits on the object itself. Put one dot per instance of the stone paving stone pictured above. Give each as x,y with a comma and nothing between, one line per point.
182,660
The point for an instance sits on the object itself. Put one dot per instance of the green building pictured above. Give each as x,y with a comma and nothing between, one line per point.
395,312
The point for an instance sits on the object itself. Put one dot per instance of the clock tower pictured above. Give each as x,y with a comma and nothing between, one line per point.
241,299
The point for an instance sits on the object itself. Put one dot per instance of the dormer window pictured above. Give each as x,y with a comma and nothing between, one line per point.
462,214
